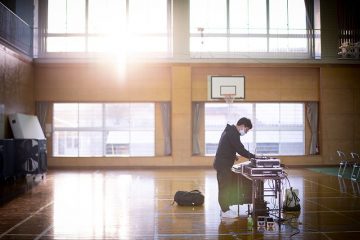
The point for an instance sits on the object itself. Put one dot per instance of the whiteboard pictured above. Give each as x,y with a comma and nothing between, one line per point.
25,126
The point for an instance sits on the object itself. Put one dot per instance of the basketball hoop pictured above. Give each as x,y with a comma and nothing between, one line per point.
229,98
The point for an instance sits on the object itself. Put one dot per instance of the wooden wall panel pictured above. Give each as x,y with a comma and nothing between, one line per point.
262,83
94,82
336,87
181,114
339,119
16,87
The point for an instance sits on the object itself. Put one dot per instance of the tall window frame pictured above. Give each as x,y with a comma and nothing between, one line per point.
234,36
103,129
278,128
85,37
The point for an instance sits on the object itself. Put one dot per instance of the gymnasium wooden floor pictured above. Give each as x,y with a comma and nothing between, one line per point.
137,204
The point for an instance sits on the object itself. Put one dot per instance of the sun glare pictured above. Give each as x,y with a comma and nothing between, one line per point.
110,27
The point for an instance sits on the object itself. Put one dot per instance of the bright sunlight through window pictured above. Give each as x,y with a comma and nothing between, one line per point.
104,129
108,26
281,134
244,28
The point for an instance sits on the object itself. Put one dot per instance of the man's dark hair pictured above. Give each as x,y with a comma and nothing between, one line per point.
245,121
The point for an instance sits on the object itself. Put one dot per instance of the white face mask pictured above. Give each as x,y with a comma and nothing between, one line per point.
242,132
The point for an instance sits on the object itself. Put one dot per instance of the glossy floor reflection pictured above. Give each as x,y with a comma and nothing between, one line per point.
137,204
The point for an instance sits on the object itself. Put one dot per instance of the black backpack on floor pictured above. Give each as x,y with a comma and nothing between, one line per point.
186,198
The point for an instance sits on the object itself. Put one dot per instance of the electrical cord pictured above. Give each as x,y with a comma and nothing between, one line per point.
288,180
286,222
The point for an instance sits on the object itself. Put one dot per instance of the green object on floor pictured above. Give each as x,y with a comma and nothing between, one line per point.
333,171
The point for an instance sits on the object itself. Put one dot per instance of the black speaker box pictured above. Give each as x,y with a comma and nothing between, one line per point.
30,156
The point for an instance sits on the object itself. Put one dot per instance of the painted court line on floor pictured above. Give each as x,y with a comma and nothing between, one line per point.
43,233
26,219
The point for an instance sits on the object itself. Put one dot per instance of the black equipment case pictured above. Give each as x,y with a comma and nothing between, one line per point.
7,159
31,156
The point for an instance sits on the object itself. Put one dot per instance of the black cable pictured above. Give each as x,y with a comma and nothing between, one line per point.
297,230
287,221
288,180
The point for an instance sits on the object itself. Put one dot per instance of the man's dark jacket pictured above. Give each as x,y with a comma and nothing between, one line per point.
229,145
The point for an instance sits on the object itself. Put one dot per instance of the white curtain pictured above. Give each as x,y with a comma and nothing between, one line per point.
166,113
42,109
312,115
196,129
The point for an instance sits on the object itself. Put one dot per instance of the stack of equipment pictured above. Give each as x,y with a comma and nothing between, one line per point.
265,162
29,145
263,167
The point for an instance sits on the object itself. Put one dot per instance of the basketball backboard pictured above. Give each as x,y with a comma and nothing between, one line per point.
222,86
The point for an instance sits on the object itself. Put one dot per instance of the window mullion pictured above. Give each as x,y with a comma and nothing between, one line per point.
103,131
127,15
228,25
66,17
287,16
87,26
303,126
254,117
267,26
129,130
78,129
279,130
169,27
248,17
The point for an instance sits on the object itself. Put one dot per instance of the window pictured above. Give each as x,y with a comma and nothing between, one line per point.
125,27
243,28
278,128
110,129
